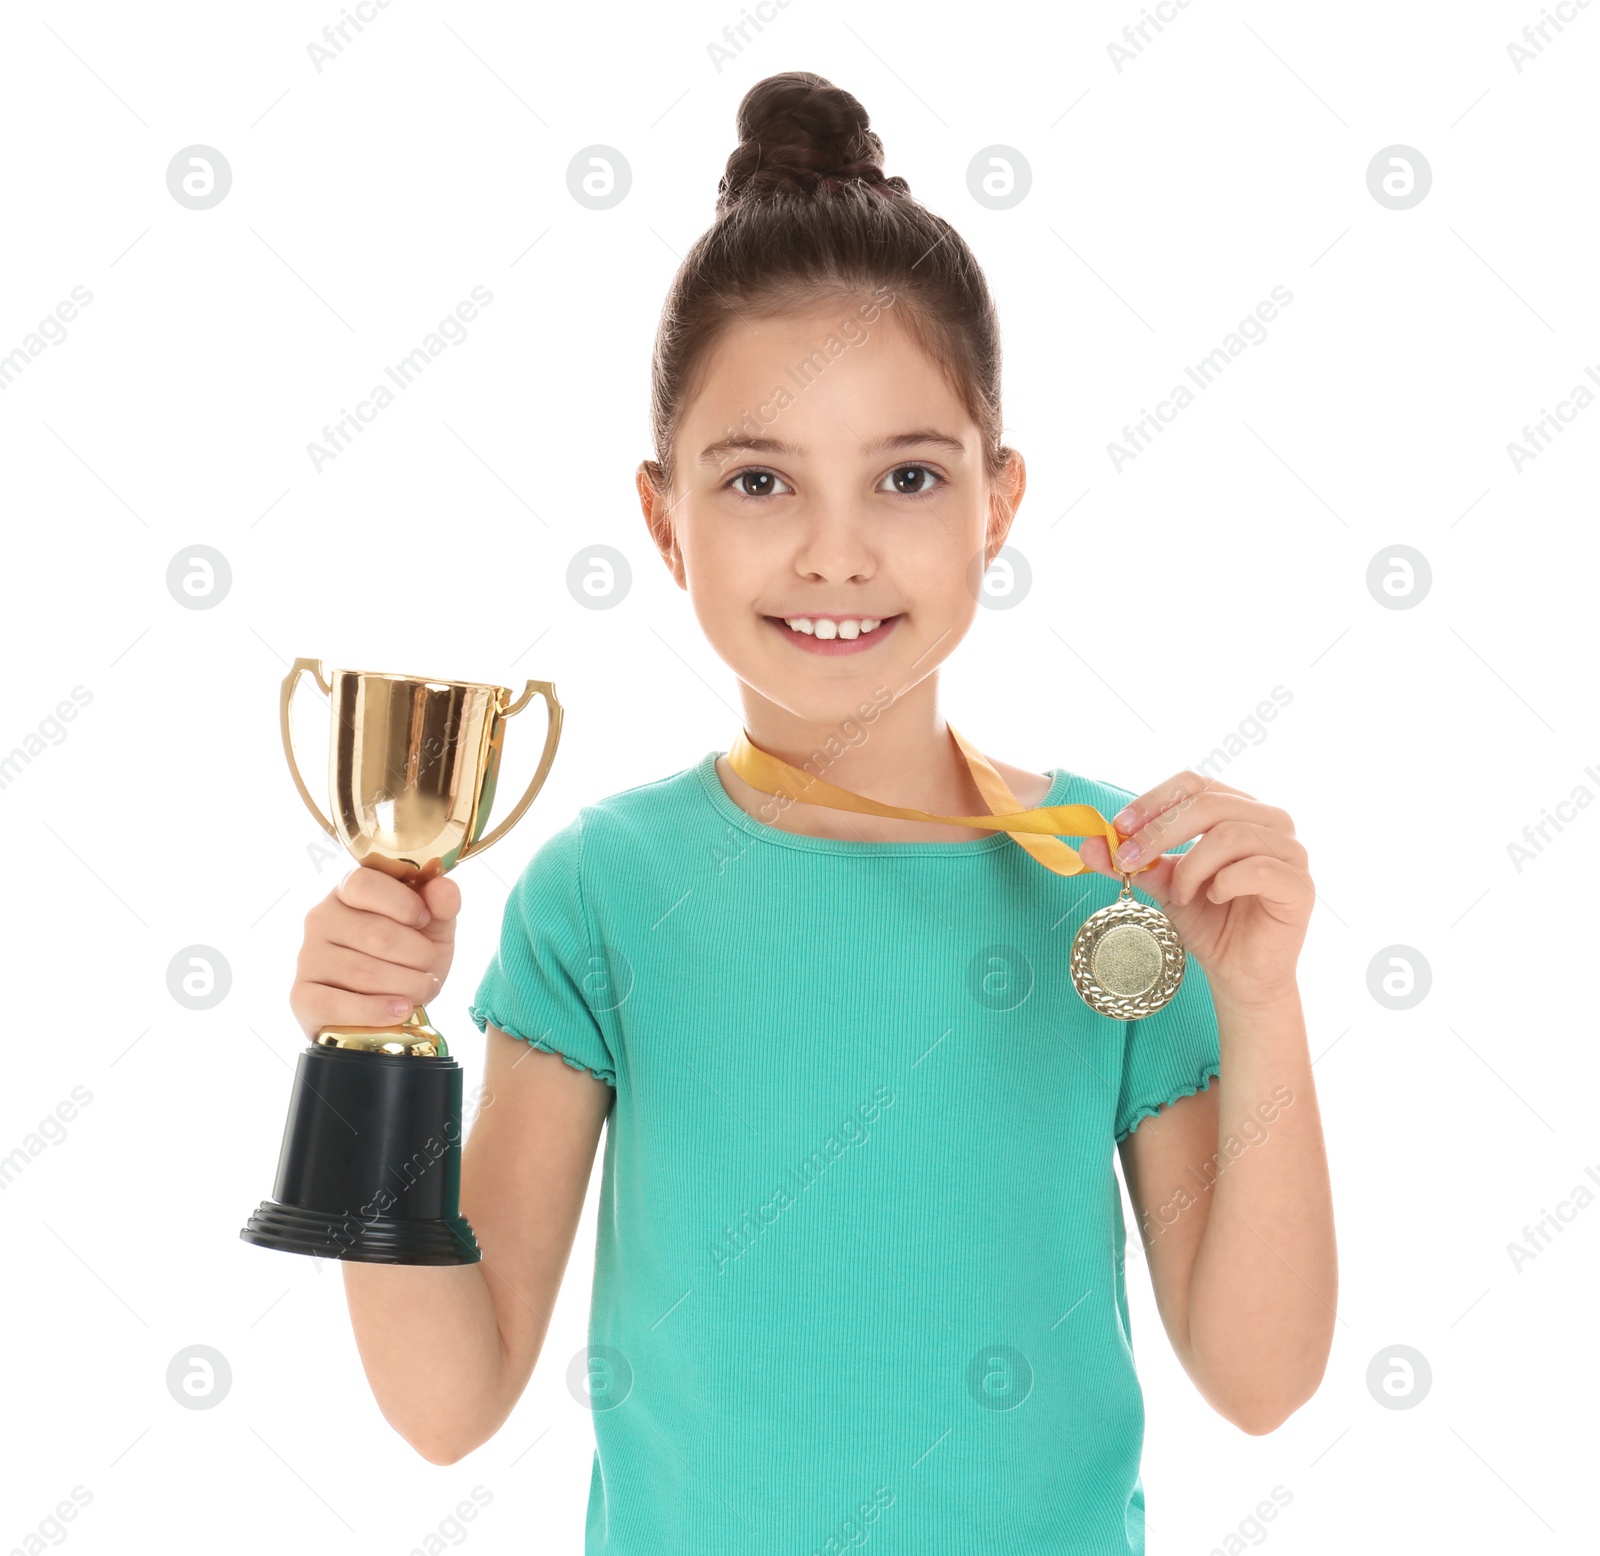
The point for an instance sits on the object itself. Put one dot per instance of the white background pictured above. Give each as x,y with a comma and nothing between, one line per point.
1168,599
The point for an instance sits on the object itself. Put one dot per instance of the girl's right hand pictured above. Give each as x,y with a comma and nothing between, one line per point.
374,948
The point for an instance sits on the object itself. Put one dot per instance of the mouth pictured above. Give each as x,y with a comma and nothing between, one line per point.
827,637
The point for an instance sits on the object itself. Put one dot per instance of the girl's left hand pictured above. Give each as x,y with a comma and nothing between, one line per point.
1240,898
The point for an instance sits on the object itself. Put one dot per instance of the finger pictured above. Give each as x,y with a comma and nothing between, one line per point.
1153,880
1096,853
317,1006
355,972
376,935
1190,817
373,890
442,897
1185,785
1222,845
1277,884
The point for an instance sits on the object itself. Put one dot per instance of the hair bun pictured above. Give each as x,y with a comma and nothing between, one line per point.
801,134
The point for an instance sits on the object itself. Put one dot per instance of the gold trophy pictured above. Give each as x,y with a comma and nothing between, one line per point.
370,1167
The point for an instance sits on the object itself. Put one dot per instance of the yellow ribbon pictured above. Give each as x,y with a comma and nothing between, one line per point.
1038,830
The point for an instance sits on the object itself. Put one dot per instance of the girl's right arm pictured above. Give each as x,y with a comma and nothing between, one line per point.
449,1349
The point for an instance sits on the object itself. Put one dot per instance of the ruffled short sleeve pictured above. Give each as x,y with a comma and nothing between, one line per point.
534,987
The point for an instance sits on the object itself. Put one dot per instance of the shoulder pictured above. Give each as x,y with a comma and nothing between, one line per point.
623,836
1076,789
1030,788
648,805
631,819
1106,797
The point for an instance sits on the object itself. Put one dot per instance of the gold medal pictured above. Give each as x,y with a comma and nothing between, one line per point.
1127,960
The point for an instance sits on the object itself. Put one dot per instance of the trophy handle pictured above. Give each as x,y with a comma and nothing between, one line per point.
302,667
547,690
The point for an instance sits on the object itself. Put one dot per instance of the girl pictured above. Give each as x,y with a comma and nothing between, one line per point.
861,1246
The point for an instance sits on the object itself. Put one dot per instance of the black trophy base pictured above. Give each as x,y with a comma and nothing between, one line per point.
379,1240
370,1168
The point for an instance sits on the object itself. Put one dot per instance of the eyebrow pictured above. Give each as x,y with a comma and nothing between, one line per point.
919,438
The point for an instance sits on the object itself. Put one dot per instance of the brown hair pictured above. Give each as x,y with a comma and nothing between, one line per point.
804,210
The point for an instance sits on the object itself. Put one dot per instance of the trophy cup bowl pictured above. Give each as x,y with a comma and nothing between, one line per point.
370,1165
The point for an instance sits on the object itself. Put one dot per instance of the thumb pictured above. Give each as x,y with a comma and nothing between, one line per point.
1095,853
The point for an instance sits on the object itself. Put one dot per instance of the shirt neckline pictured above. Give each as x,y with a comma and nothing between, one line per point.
722,802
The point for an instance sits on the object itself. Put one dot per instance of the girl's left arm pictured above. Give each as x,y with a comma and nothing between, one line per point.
1230,1186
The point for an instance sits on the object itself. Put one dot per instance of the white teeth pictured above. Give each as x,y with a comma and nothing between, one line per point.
825,628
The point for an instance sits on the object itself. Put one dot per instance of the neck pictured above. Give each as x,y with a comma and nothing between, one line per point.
901,754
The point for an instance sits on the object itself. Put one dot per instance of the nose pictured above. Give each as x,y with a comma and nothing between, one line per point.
833,546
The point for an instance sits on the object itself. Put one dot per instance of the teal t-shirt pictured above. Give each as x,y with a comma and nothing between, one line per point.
859,1270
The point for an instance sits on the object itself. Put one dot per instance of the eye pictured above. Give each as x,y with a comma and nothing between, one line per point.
923,488
761,480
913,480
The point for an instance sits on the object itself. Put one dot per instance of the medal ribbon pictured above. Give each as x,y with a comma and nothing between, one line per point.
1039,830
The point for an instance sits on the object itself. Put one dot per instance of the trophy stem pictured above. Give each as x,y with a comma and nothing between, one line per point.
415,1036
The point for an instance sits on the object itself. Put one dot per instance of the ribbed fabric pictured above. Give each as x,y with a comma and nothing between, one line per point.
859,1275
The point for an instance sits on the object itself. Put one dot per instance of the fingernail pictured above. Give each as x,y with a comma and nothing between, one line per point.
1128,854
425,920
399,1007
1123,821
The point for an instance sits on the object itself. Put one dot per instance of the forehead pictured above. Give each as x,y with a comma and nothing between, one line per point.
822,374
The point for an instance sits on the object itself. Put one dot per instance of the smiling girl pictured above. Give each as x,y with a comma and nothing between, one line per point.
860,1268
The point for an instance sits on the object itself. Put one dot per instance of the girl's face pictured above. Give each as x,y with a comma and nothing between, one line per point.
827,473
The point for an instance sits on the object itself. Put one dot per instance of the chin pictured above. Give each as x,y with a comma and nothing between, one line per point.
826,694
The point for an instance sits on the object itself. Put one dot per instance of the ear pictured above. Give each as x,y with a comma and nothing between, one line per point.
1005,497
657,510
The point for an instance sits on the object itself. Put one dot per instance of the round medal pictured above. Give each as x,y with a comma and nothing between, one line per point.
1127,960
